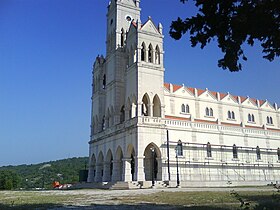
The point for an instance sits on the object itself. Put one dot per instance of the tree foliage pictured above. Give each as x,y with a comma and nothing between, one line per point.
9,180
233,23
42,175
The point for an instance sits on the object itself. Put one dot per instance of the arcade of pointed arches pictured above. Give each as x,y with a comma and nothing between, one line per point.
123,166
127,111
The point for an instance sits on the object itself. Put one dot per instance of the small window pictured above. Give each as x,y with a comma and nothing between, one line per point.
143,52
180,148
234,151
211,112
253,118
278,153
232,115
249,118
122,116
187,108
207,112
183,108
258,151
208,150
229,115
103,123
271,121
104,82
150,54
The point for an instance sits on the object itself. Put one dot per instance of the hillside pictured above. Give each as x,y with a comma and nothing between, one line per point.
42,175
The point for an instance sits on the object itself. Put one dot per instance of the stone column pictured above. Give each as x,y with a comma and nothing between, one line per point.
159,168
150,109
116,170
98,177
139,110
106,176
127,176
133,110
139,166
90,175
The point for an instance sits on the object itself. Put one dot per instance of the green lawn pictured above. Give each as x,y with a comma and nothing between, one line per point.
160,200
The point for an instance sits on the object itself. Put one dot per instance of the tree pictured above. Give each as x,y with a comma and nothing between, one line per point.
9,180
233,23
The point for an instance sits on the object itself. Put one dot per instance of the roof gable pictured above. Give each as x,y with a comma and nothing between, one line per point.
248,102
209,95
266,105
150,27
227,98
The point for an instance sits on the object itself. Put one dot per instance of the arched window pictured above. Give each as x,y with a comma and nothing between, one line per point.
156,106
183,108
207,111
278,153
122,37
211,112
258,151
180,148
229,115
233,115
208,150
145,103
267,120
249,118
143,52
271,121
150,54
122,115
234,151
157,55
104,81
187,108
103,123
253,118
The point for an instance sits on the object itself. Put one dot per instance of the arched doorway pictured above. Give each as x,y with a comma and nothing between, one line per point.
131,155
108,170
152,163
100,168
92,169
119,165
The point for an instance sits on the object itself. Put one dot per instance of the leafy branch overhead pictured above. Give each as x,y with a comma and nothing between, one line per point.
232,23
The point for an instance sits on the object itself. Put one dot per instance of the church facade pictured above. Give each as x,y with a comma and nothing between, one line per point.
145,130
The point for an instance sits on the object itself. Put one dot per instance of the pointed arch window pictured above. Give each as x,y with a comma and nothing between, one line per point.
187,108
157,55
179,148
278,153
258,152
229,115
234,151
249,118
150,54
253,118
183,108
104,82
269,120
211,112
233,115
207,111
122,114
122,37
103,123
143,52
208,150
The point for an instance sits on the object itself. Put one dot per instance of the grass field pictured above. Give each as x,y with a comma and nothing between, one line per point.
141,199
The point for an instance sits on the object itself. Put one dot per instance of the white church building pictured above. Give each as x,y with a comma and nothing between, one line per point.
148,132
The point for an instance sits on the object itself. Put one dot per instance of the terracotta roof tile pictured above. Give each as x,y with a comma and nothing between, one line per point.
222,95
167,85
191,90
199,92
176,87
262,102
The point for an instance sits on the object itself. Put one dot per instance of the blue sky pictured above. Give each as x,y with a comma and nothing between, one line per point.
47,48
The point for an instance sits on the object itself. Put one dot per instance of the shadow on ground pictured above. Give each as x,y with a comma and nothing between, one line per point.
102,207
